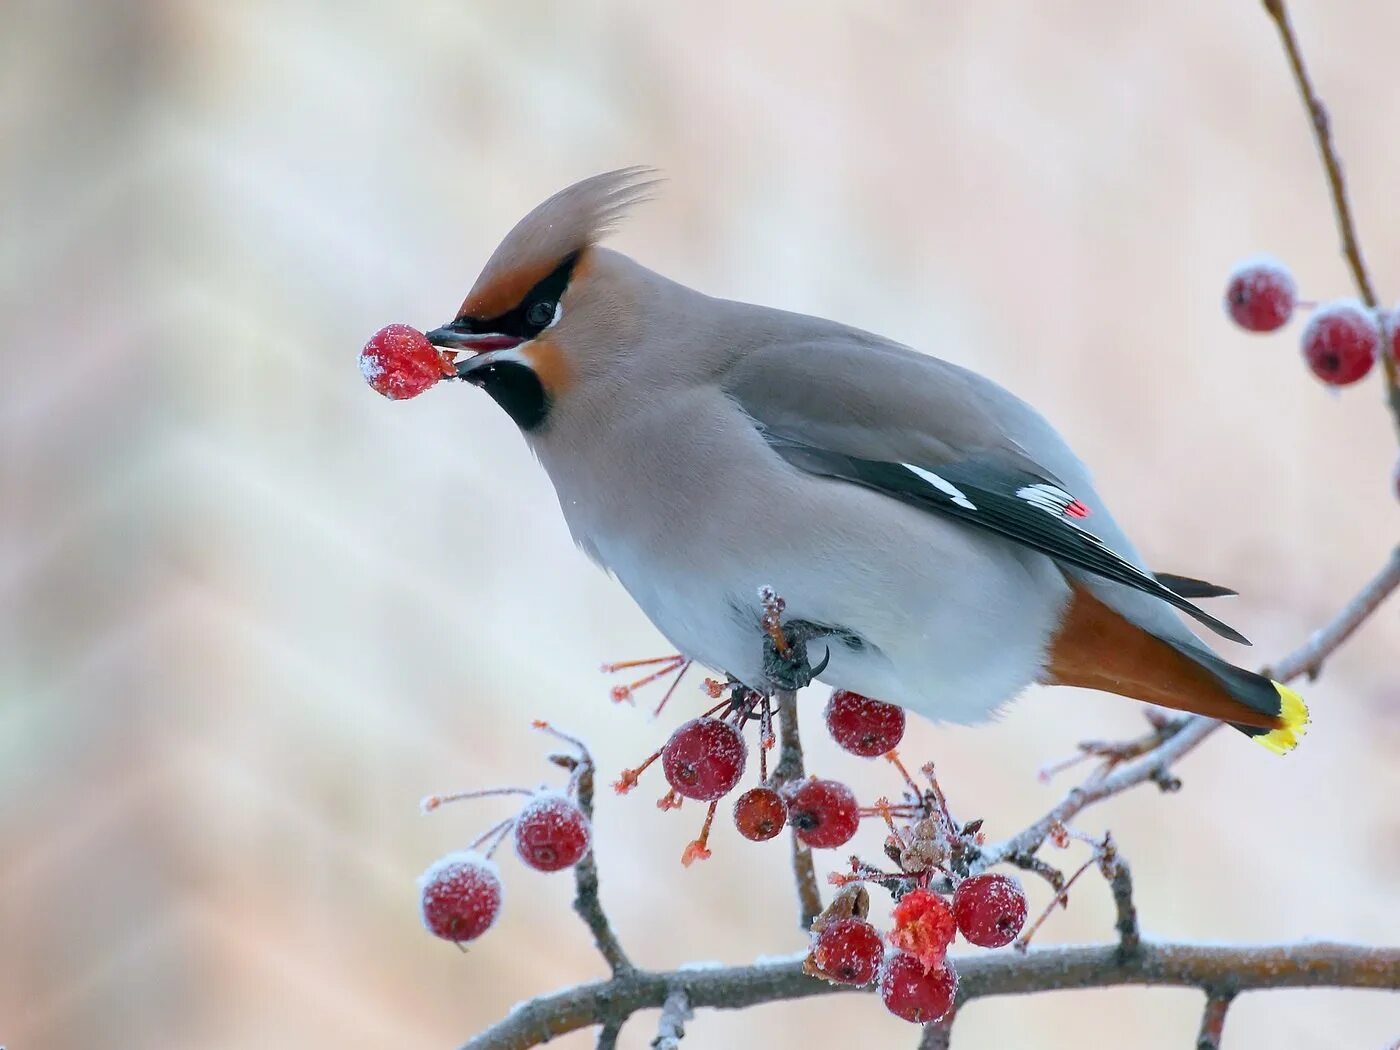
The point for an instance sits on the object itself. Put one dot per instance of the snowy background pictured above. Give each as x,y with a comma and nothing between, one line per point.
252,612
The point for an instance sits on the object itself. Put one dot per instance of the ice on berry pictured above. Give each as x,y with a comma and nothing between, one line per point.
923,927
862,725
1260,294
460,896
913,993
551,832
399,362
990,909
823,813
847,951
1341,342
704,759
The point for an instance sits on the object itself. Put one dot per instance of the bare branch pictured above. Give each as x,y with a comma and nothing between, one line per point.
1310,965
607,1035
586,901
789,769
938,1035
1336,182
675,1012
1120,881
1213,1019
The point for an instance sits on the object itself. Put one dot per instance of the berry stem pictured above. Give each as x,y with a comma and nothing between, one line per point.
432,802
499,831
696,850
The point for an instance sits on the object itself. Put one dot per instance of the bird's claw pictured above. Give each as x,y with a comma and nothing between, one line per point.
792,670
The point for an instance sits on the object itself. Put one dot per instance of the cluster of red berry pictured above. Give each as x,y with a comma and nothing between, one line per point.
1342,340
916,979
460,894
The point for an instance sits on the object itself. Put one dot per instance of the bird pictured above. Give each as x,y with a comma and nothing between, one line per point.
934,540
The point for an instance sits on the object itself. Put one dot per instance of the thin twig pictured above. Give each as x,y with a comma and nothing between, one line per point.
586,900
938,1035
788,770
1120,882
1336,181
1213,1019
1242,968
607,1035
675,1012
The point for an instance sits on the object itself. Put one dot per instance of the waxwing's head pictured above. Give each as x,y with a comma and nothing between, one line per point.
545,309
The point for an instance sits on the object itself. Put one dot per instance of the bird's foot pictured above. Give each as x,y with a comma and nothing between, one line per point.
785,660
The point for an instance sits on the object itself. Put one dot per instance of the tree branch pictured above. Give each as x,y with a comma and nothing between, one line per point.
789,769
938,1035
675,1012
1336,181
1312,965
1213,1019
586,901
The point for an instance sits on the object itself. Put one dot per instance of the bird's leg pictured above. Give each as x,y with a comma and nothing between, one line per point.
788,667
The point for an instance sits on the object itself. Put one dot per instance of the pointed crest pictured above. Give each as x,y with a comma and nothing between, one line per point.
566,223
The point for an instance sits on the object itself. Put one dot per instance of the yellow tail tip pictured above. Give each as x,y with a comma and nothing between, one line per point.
1294,715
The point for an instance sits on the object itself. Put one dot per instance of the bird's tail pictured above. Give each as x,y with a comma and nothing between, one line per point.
1100,649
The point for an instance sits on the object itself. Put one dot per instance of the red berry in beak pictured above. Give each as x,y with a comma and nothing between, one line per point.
400,363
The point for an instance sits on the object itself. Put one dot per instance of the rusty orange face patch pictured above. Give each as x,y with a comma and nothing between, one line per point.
550,364
504,293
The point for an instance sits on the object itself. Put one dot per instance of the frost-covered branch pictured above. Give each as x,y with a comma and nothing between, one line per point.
586,900
1220,969
1213,1020
675,1012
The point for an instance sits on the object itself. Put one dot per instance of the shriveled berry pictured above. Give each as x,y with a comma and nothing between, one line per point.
460,896
1340,343
400,363
848,951
704,759
923,927
824,813
551,832
1260,295
915,994
990,909
864,726
760,813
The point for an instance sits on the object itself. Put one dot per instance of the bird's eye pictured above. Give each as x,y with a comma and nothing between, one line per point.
540,314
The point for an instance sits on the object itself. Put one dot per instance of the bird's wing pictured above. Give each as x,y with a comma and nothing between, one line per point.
948,441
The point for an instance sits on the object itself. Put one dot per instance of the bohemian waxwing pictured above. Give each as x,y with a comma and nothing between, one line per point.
937,543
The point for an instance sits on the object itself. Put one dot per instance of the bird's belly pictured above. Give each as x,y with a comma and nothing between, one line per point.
941,620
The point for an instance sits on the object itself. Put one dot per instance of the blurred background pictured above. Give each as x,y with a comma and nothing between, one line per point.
252,611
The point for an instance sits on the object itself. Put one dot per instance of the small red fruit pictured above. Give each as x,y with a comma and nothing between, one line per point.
824,813
915,994
704,759
400,363
990,909
864,726
460,896
760,813
848,951
1340,343
1261,295
551,832
923,927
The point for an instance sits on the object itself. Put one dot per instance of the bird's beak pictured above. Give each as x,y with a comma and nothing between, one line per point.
457,336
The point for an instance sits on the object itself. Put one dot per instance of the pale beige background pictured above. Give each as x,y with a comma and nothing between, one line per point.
252,611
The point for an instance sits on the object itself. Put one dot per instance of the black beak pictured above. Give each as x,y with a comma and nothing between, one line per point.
459,336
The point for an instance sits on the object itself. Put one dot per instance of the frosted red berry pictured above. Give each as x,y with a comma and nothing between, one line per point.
704,759
551,833
848,951
400,363
864,726
1260,295
1340,343
823,813
923,927
760,813
915,994
990,909
460,896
